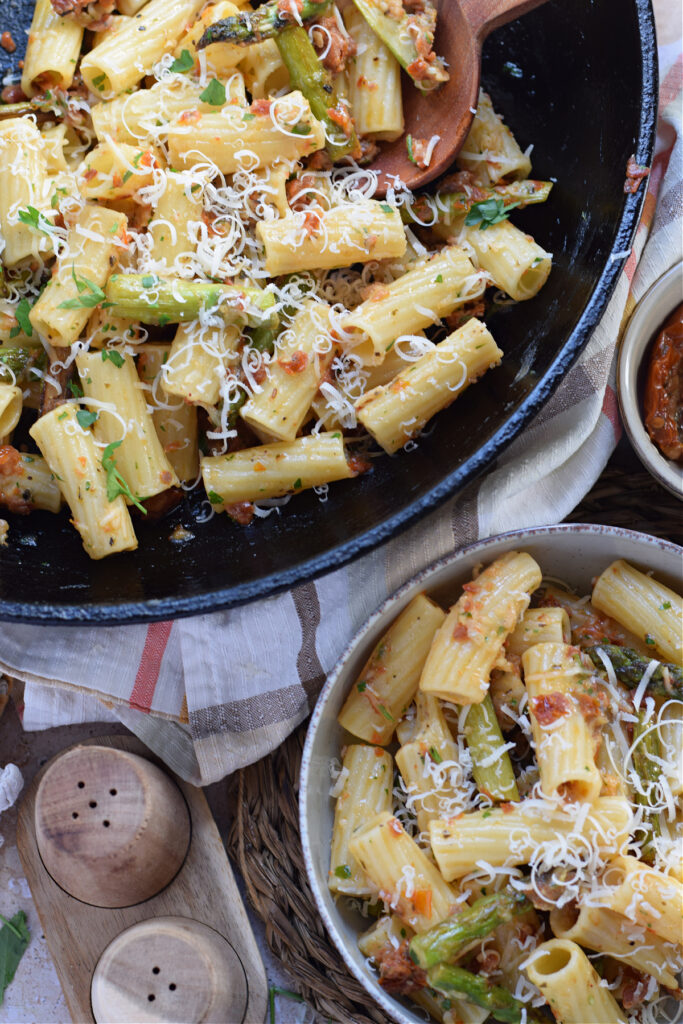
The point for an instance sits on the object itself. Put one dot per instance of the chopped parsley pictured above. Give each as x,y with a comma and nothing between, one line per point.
115,483
438,279
411,151
86,418
214,498
214,93
59,192
24,324
33,218
649,639
113,356
386,714
149,281
435,755
361,687
488,212
127,176
99,81
301,128
297,484
92,297
663,607
342,871
249,117
385,208
185,62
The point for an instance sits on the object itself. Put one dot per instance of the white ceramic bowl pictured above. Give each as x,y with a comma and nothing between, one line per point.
575,553
650,313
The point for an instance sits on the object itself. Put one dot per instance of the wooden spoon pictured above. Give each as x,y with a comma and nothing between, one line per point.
462,27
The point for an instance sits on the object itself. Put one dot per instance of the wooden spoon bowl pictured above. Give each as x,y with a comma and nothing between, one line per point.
462,27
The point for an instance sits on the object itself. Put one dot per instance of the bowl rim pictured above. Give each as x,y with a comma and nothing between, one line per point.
220,598
644,324
389,1005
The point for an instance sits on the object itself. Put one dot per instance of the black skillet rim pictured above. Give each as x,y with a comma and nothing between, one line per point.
154,610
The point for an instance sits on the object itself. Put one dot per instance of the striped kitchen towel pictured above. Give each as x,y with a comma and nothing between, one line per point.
216,692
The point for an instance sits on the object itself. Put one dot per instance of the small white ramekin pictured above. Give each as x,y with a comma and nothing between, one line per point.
650,313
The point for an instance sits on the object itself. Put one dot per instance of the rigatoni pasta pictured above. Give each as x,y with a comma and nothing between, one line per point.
566,851
216,177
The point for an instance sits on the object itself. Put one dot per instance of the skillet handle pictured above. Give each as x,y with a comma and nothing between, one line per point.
485,15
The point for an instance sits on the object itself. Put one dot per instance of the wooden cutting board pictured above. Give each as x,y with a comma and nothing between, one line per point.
203,890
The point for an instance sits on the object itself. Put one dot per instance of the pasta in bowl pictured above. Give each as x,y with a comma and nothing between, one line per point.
490,805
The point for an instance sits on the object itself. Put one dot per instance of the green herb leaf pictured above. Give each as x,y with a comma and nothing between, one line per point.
33,218
214,93
488,212
75,390
86,418
127,176
301,128
438,279
249,117
409,147
14,938
149,281
214,498
94,295
59,192
115,483
389,718
663,607
21,313
185,62
113,356
99,81
342,871
297,484
361,687
435,755
273,991
385,208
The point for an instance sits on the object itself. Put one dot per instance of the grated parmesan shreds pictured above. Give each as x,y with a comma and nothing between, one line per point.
568,868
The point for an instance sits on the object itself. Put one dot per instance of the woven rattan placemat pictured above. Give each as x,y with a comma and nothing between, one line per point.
264,839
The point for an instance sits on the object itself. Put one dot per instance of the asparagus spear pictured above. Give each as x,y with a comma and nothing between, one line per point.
308,75
153,299
629,667
15,360
484,739
478,990
410,39
646,749
263,23
446,940
448,207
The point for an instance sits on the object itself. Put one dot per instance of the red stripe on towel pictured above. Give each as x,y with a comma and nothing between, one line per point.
150,665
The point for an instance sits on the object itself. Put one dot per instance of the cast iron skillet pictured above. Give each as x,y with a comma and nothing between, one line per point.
586,98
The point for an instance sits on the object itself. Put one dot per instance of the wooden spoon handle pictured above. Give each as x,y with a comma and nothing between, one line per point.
485,15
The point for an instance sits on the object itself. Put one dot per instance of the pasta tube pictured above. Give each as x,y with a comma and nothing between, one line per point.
197,362
393,413
512,835
429,786
26,482
432,289
571,985
389,679
119,62
10,408
470,641
651,611
514,261
118,398
303,355
367,789
353,233
52,51
643,895
116,171
490,150
606,932
220,58
539,626
272,470
176,210
23,172
62,311
234,136
374,82
561,712
174,421
73,457
400,870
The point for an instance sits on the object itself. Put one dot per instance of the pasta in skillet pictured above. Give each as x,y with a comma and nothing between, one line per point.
525,854
189,178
